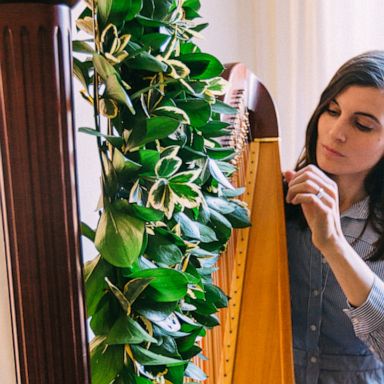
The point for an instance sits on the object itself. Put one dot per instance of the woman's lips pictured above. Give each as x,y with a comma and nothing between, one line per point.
331,152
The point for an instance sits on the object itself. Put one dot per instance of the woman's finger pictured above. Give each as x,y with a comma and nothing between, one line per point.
321,200
314,181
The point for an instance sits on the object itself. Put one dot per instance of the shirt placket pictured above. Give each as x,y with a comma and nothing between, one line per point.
317,280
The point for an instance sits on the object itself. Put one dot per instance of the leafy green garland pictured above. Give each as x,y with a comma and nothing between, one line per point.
167,208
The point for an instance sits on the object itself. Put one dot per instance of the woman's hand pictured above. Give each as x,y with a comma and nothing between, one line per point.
318,196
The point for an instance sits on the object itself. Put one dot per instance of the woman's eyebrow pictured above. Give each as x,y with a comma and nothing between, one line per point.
334,101
368,115
373,117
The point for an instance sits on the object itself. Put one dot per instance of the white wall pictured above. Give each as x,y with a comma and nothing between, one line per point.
294,47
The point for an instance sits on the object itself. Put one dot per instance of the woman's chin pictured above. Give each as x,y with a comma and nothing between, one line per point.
329,167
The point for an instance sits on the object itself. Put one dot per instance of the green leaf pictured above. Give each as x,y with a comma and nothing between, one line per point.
106,363
161,197
80,70
128,331
173,112
187,342
213,126
105,315
185,177
146,357
103,67
155,311
221,153
188,227
117,92
119,237
218,175
233,192
166,345
148,159
146,62
128,376
156,128
146,214
82,47
95,272
148,22
239,217
125,304
215,295
155,41
187,195
116,141
124,10
134,9
202,65
168,166
194,4
207,320
167,284
87,231
219,204
134,288
221,225
221,107
163,251
175,374
194,372
125,168
207,234
199,111
104,8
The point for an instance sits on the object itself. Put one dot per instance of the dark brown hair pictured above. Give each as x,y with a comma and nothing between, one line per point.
365,70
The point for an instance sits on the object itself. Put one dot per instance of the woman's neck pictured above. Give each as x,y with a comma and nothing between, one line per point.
350,191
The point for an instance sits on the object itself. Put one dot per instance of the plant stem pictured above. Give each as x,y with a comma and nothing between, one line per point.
96,112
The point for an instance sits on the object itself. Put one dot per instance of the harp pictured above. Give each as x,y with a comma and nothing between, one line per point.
253,343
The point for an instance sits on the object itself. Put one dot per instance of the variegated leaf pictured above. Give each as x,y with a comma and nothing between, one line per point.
108,108
170,151
167,166
85,25
119,296
178,69
186,176
187,195
175,112
218,175
161,197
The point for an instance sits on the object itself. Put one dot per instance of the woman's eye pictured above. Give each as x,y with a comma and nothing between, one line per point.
332,112
362,127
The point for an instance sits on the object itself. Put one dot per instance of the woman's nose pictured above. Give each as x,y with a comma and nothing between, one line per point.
338,130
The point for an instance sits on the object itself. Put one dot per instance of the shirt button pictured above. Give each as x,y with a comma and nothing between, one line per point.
315,292
324,260
313,359
313,327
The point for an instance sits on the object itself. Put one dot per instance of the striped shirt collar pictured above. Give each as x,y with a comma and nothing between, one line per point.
359,210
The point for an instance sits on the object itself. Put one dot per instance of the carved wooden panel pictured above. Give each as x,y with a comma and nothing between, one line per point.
38,194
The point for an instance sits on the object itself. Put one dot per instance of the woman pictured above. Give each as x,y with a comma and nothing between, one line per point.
335,222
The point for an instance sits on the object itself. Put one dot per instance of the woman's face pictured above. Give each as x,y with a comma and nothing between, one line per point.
351,133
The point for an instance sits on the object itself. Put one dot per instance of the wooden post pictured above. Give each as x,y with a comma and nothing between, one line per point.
38,194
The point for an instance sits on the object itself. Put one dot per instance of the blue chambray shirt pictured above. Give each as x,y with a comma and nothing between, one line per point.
333,342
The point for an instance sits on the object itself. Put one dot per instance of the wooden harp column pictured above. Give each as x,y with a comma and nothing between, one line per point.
254,342
38,193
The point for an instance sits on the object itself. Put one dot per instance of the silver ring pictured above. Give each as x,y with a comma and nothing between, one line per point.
320,193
